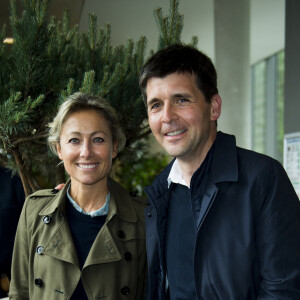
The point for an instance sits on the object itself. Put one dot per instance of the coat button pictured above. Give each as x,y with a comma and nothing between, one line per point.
149,214
47,219
54,191
38,282
40,250
128,256
121,234
125,290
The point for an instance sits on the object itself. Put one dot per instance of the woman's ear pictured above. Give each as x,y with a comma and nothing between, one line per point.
216,104
58,149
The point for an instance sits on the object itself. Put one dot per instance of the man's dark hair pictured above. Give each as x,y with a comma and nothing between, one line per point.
179,58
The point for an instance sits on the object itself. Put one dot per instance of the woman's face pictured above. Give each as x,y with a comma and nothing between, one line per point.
86,147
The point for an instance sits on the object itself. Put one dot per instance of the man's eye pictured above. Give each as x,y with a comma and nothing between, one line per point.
183,100
155,106
98,140
74,141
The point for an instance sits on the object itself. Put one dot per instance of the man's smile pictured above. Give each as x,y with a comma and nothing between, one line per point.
174,133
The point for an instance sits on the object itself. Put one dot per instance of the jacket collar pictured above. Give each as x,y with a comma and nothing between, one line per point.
120,202
224,166
160,184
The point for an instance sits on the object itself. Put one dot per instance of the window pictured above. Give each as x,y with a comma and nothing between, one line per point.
268,106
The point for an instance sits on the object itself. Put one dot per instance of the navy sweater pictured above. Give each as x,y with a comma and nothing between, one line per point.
84,230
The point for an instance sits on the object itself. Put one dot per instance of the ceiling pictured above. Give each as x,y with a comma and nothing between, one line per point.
56,8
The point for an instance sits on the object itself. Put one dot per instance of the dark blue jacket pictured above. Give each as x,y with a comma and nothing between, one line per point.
248,241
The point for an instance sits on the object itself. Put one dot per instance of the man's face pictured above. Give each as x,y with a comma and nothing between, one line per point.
180,118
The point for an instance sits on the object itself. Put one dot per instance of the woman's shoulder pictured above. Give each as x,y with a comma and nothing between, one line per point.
139,200
124,196
42,193
139,204
39,199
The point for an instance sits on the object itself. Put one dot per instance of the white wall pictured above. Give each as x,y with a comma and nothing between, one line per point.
133,18
292,68
267,26
232,64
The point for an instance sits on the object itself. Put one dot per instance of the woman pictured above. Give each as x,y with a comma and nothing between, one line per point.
86,241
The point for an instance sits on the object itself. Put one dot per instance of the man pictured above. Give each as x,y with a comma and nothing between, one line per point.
222,222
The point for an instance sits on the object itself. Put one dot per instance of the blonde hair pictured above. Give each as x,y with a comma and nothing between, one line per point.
78,102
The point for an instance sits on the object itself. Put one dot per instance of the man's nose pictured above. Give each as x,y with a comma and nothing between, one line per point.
169,113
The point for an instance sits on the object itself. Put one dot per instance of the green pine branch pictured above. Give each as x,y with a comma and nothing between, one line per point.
50,60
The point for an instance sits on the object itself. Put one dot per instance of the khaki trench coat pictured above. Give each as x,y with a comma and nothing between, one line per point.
45,264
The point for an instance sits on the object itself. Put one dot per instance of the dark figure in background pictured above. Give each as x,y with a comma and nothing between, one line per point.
222,222
11,201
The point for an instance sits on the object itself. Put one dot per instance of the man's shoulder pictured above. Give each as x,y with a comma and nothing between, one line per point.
248,162
247,156
258,165
251,156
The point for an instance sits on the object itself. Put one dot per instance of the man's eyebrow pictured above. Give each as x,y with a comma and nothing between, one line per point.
174,96
182,95
153,100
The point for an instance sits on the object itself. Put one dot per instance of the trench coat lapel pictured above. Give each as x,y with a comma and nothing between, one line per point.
61,245
58,240
104,249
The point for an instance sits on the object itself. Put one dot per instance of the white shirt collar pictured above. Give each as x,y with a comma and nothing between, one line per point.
175,175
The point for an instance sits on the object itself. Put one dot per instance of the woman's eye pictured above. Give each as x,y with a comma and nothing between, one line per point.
98,140
74,141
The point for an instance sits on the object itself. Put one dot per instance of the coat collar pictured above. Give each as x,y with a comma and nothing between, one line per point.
160,185
57,202
121,203
125,210
224,166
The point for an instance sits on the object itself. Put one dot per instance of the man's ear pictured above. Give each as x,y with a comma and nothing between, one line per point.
216,103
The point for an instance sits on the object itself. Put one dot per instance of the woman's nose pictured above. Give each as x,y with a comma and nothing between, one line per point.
86,150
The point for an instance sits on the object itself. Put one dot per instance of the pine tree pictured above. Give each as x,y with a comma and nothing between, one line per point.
49,61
